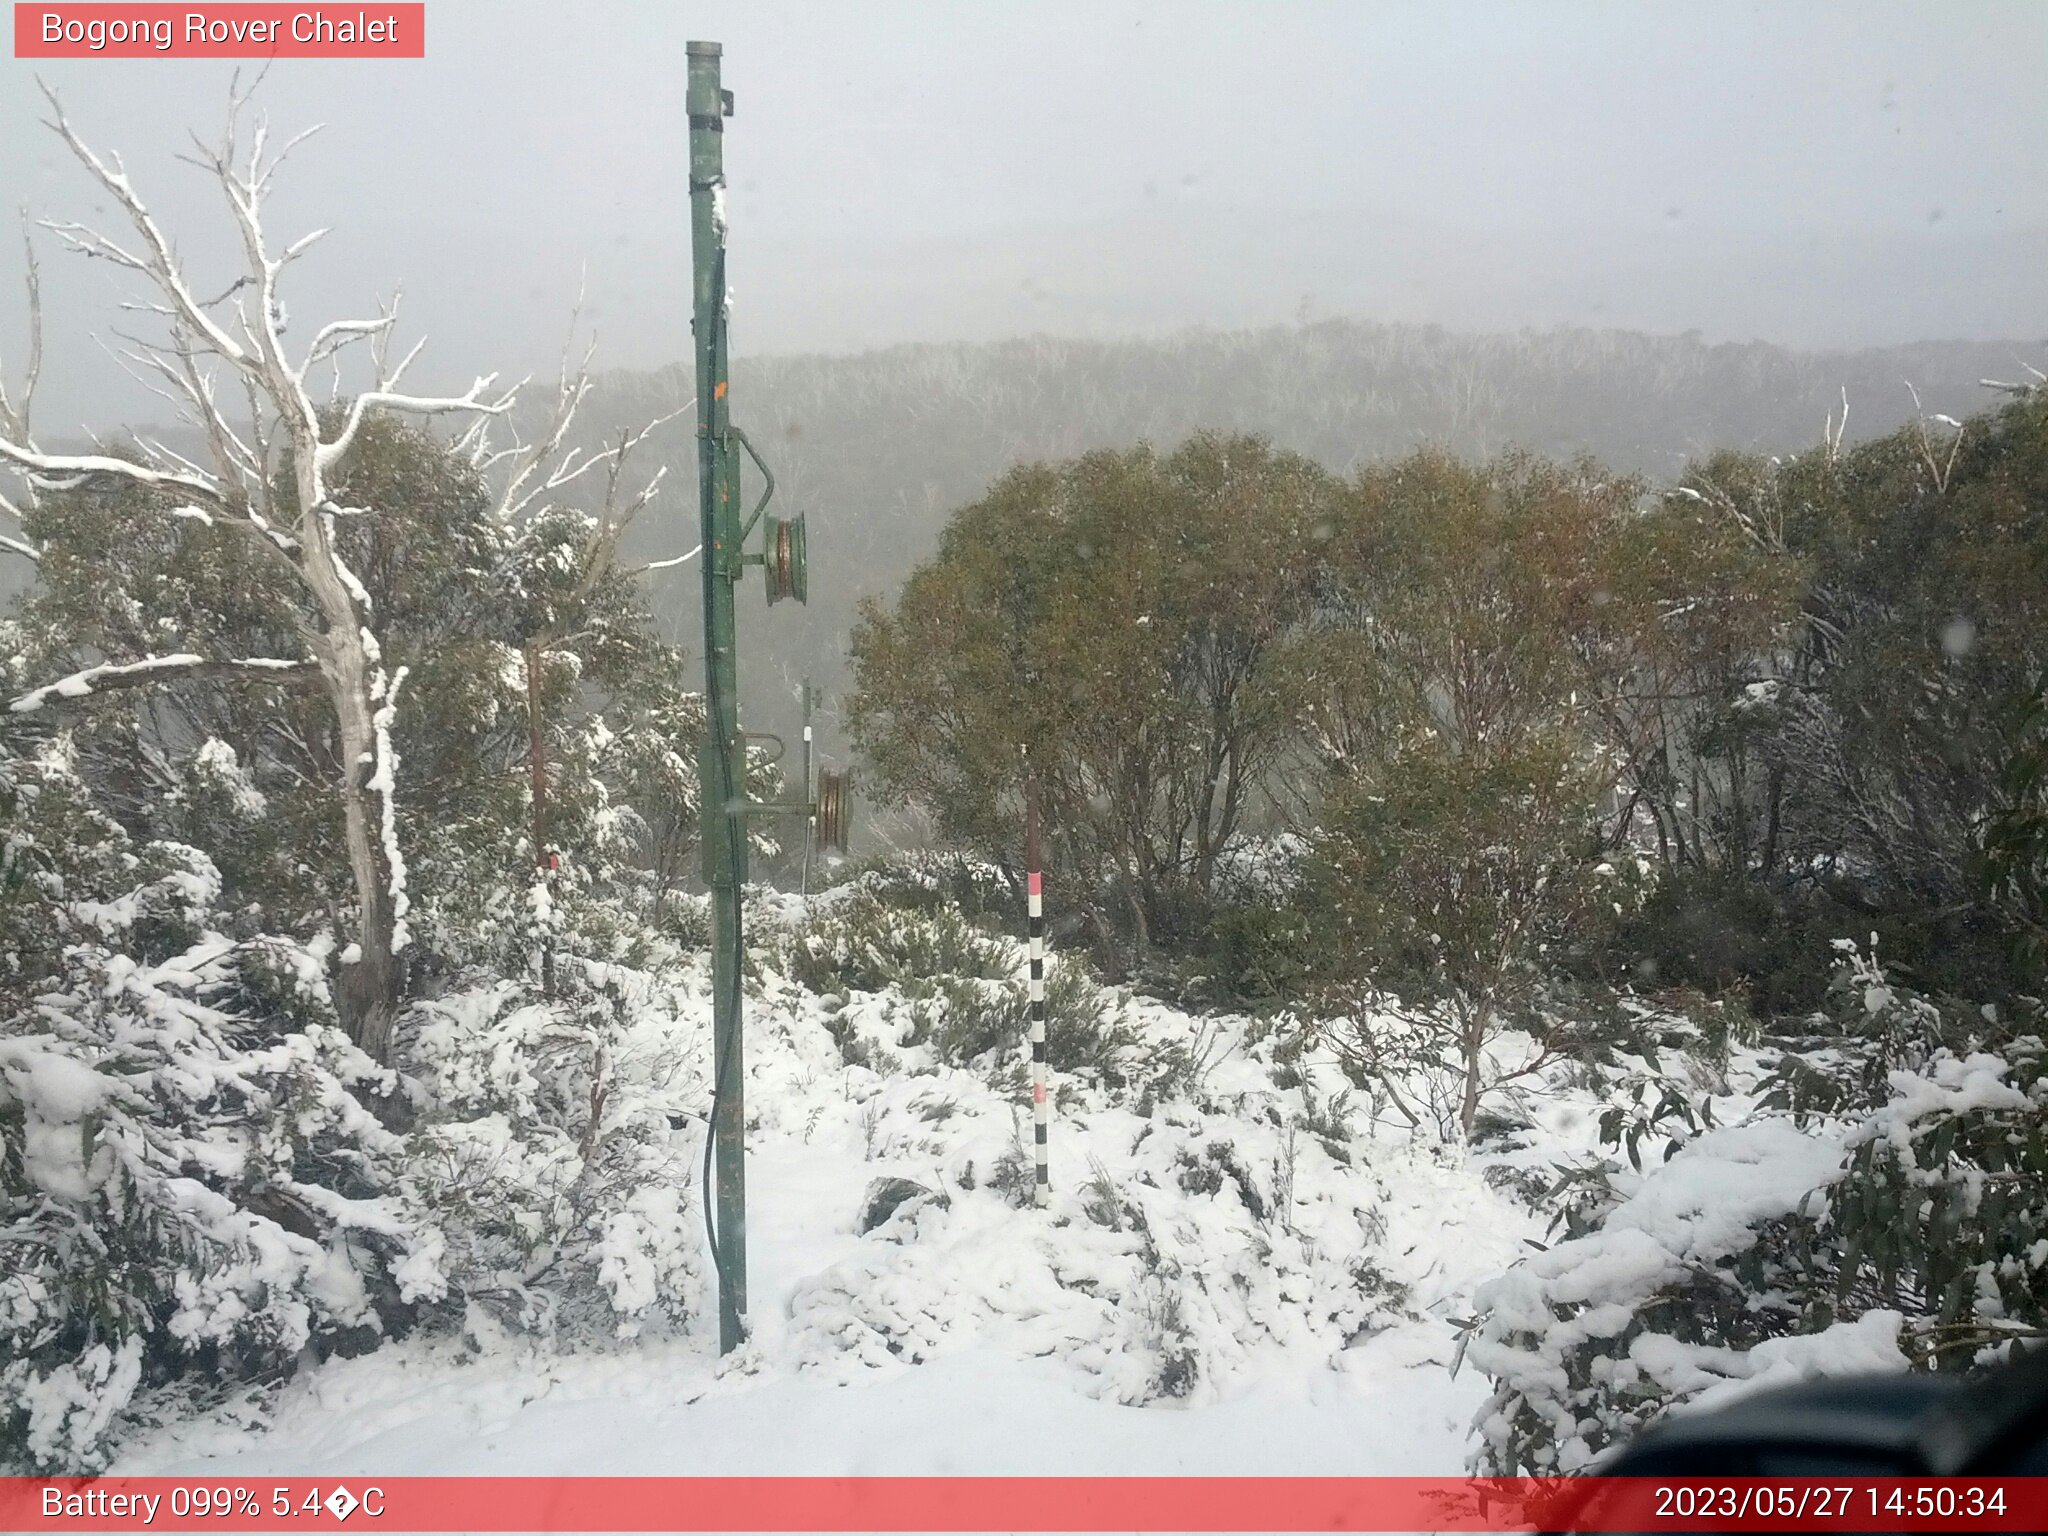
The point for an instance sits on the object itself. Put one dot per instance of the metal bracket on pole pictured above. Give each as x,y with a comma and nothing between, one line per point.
767,482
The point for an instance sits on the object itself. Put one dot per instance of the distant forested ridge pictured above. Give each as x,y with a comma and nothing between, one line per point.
881,447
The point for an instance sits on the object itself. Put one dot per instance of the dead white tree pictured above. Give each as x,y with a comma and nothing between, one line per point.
530,491
15,408
274,435
1940,468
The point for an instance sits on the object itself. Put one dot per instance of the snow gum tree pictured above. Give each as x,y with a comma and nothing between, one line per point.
198,358
286,588
1115,614
1459,833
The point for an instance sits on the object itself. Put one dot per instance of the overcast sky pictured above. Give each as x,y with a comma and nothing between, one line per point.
1817,174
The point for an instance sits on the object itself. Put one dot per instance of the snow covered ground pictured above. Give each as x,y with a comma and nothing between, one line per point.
1248,1278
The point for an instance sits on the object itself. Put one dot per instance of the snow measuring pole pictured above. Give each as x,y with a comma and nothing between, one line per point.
723,803
1034,921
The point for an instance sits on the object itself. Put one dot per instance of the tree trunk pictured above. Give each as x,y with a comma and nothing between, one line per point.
369,989
368,995
1468,1106
537,763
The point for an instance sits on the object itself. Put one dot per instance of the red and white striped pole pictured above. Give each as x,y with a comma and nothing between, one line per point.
1041,1111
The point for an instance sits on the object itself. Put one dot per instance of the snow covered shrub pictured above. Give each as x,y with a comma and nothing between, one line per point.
966,1020
1163,1331
560,1195
217,805
864,944
1944,1198
1262,871
1155,1288
1256,954
1085,1031
1884,1209
191,1176
934,879
1673,1292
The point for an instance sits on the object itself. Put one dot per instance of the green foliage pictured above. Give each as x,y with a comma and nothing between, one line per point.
1736,936
911,433
188,1153
1443,872
933,879
1116,613
244,770
1896,720
864,944
1924,1239
1257,956
2015,843
968,999
967,1022
1444,878
1790,697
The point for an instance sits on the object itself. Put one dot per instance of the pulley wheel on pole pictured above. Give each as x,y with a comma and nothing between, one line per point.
832,808
784,559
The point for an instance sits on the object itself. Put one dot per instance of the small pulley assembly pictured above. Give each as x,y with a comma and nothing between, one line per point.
830,809
783,559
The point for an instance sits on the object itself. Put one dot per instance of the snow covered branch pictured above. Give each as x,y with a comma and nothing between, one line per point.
2023,387
157,263
63,471
1940,468
419,405
662,565
15,408
570,390
108,676
11,545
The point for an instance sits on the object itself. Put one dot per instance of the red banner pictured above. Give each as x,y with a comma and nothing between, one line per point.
103,31
1021,1504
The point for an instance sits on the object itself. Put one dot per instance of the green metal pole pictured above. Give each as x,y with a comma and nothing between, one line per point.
721,762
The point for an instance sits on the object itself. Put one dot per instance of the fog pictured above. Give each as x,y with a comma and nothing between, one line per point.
1814,175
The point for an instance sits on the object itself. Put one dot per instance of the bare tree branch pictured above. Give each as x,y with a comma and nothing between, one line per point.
662,565
110,676
14,411
160,264
1939,469
419,405
65,471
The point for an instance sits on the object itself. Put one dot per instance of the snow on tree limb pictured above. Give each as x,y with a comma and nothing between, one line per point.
570,390
384,784
153,669
56,471
10,544
337,334
662,565
14,409
160,265
419,405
